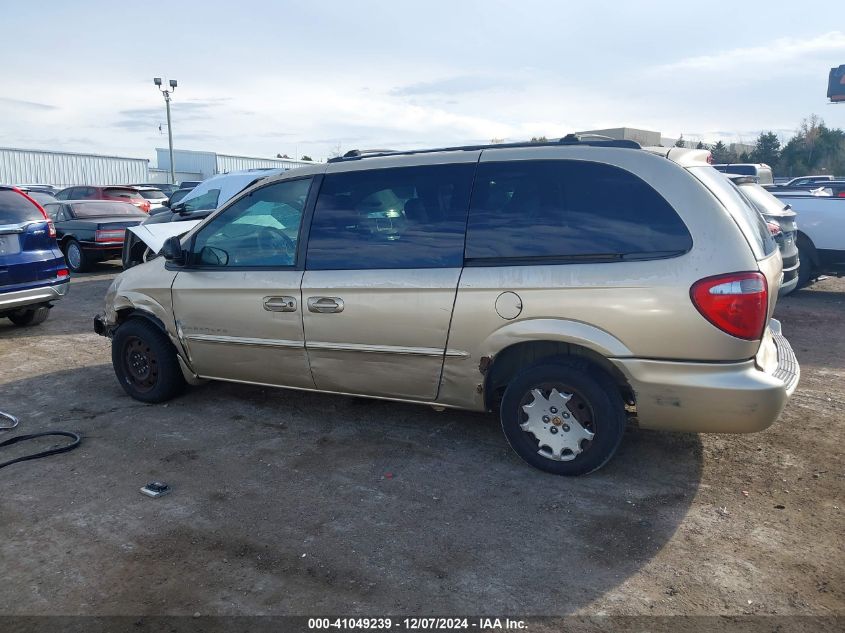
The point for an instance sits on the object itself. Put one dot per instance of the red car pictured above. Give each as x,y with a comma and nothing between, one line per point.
115,193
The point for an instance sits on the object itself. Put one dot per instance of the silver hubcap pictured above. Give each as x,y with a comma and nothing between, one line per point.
74,257
550,421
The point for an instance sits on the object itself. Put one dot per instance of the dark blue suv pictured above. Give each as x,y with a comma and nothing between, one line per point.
33,272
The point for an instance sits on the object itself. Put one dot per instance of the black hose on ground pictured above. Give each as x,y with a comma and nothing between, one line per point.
75,441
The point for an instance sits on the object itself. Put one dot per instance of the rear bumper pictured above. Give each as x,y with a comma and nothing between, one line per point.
711,397
32,296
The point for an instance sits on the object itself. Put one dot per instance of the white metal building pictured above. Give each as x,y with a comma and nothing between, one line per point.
202,165
19,166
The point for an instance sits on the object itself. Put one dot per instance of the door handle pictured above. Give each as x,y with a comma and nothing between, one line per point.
280,304
325,304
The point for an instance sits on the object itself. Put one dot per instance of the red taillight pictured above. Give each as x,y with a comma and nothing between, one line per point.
774,229
110,235
737,303
709,159
144,205
63,272
841,194
51,228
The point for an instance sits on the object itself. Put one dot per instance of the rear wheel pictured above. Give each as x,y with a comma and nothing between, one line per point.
32,316
145,362
564,418
76,258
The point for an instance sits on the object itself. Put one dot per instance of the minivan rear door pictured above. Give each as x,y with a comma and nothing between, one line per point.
384,258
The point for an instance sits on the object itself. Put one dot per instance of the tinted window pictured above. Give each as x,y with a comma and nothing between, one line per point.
568,209
15,208
153,194
52,210
95,209
208,200
40,197
114,192
64,194
408,217
260,229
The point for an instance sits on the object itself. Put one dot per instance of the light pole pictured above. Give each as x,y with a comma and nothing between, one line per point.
166,93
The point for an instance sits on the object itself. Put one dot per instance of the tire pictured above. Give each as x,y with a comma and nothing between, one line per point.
595,405
805,266
75,257
145,362
32,316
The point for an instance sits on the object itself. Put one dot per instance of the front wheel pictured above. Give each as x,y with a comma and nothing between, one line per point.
563,418
145,362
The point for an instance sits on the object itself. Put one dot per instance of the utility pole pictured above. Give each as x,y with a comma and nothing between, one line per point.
166,93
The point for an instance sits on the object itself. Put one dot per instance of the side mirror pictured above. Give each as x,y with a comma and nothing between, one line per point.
172,251
166,203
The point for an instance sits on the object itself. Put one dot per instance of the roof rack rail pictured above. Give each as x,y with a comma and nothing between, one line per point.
592,140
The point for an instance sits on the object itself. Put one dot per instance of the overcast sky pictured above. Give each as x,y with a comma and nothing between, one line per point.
304,78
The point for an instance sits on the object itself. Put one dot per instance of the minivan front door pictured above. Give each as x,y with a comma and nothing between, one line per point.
237,304
385,253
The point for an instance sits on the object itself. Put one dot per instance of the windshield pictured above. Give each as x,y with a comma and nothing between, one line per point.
153,194
100,209
130,194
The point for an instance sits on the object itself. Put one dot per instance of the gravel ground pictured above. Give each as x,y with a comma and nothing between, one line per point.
297,503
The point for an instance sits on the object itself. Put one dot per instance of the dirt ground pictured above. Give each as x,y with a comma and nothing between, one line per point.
298,503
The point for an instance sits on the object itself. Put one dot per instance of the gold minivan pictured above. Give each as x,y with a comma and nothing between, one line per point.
572,287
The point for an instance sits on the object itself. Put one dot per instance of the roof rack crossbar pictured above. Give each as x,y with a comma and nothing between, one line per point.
569,139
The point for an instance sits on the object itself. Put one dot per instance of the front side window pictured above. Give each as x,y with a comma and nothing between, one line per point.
259,230
568,210
405,217
207,200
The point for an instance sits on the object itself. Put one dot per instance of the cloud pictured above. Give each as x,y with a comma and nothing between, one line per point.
770,57
31,105
450,86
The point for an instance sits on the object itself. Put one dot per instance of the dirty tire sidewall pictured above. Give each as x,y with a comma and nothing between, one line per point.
601,395
32,316
169,383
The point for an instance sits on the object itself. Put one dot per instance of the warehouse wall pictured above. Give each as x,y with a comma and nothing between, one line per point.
20,166
210,163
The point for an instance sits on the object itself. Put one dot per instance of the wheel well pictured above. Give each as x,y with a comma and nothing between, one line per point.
806,242
507,363
124,314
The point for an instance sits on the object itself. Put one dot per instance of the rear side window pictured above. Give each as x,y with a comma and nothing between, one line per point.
103,209
749,220
129,194
406,217
566,210
15,208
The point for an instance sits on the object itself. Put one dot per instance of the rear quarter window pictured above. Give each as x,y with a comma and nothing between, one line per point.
747,217
568,210
15,208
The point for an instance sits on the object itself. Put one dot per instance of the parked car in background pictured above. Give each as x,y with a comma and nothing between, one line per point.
821,234
41,197
564,285
803,181
781,219
165,187
113,192
52,190
175,198
90,231
156,197
761,170
194,205
33,273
